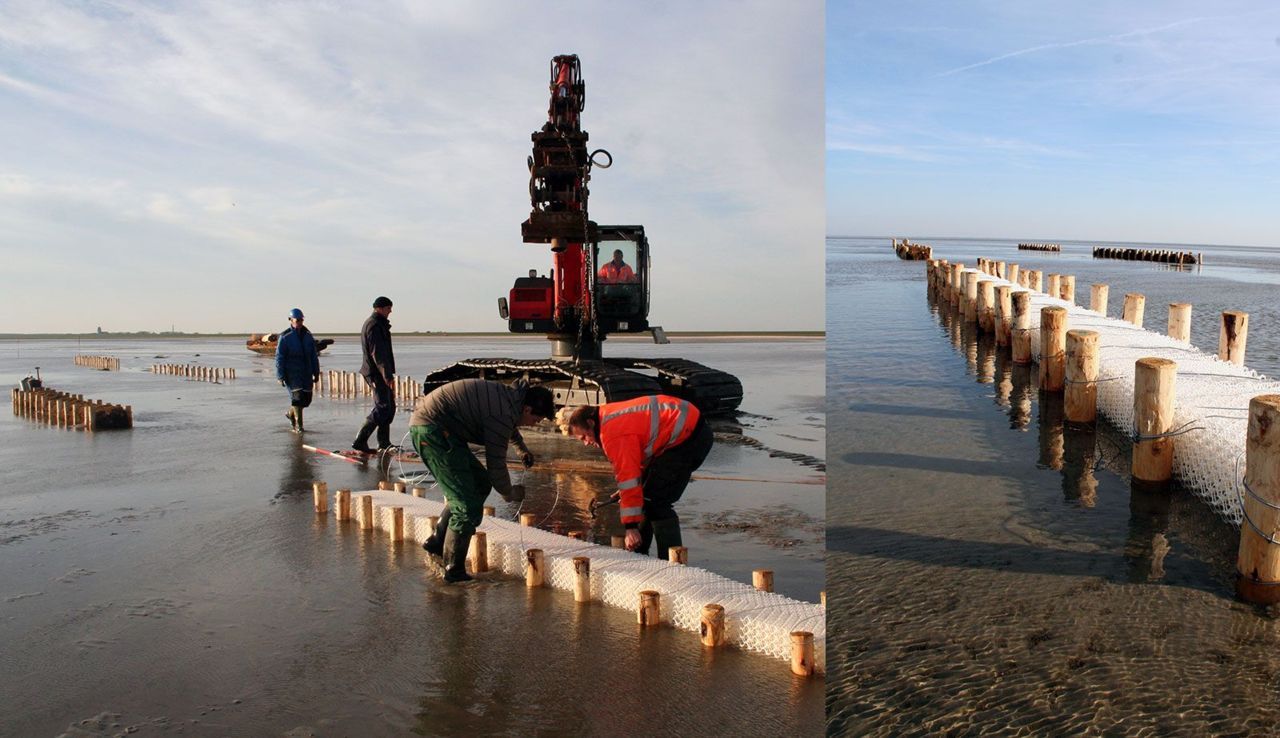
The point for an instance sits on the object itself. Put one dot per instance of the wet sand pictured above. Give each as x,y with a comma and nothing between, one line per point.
991,571
174,579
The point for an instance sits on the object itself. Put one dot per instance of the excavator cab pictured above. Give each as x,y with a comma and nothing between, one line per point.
621,282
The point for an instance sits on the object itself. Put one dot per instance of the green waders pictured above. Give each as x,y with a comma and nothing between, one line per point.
465,484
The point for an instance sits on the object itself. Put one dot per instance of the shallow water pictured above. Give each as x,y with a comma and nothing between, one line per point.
991,571
174,578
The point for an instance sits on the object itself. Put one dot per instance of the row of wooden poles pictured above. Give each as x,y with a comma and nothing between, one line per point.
1233,325
196,372
65,410
712,626
351,384
912,251
109,363
1039,247
1163,256
1069,364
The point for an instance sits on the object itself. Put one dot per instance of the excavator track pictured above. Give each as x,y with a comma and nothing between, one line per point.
594,382
713,391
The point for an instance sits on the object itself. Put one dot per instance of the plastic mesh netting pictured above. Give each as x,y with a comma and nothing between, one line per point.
754,620
1211,398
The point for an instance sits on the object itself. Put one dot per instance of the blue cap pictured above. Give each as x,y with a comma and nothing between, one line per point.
295,314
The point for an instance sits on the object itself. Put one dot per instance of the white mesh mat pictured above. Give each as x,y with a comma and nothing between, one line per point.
1211,397
754,620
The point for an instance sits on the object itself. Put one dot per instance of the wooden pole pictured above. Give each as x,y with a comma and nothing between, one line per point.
802,653
1098,298
1053,348
343,508
535,572
581,579
762,579
986,305
1233,330
1055,287
678,555
1004,314
419,491
1180,321
1037,280
1134,306
320,493
971,296
1021,327
490,510
400,487
384,486
479,553
1013,274
649,615
1081,400
577,535
1258,560
711,631
397,524
528,520
619,542
364,512
1067,284
1153,394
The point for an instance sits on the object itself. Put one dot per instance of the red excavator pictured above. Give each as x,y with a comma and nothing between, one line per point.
598,284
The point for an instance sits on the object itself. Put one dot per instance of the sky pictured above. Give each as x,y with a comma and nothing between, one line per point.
210,165
1108,121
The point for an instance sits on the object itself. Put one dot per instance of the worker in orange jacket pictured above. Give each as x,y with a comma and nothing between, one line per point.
654,443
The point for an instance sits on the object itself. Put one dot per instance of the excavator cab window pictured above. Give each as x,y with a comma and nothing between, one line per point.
622,266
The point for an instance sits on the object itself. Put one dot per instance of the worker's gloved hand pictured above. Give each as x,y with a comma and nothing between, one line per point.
527,459
633,539
282,384
315,379
516,494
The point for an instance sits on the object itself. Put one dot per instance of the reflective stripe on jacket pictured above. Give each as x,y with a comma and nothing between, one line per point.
633,432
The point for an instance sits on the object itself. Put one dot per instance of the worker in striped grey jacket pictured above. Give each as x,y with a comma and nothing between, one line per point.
484,413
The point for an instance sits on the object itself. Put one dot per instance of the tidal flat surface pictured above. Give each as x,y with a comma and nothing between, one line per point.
992,571
175,579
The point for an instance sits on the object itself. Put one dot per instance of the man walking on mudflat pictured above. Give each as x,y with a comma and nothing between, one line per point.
487,414
378,367
297,366
654,444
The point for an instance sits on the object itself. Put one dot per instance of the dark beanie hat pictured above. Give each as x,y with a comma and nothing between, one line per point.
382,302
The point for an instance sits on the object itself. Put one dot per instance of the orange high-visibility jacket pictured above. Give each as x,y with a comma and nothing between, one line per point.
611,273
633,432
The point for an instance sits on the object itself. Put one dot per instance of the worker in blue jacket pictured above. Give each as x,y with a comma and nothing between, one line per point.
297,366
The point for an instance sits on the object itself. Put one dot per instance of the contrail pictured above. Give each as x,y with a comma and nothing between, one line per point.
1068,44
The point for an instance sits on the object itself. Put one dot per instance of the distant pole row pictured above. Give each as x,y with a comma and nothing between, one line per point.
912,251
648,611
193,371
1039,247
65,410
1164,256
1069,364
108,363
351,384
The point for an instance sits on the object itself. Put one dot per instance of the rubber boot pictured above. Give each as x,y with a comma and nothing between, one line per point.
362,440
666,533
297,423
455,557
384,436
293,419
435,542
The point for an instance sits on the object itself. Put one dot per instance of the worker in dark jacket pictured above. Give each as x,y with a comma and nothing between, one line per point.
378,367
484,413
297,366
